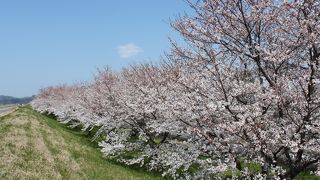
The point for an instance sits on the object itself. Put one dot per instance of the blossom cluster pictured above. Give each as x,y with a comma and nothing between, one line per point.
243,89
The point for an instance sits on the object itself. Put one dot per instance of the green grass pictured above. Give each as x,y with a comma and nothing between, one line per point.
306,176
35,146
255,168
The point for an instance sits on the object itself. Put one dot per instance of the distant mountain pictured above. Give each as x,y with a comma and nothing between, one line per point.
13,100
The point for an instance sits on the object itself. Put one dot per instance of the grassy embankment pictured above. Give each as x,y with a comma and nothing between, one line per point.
33,146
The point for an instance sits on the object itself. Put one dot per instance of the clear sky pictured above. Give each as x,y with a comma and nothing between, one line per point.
50,42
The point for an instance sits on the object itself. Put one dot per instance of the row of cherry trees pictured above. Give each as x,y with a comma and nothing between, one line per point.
244,87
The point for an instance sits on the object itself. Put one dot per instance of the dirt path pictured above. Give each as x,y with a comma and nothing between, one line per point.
36,147
6,109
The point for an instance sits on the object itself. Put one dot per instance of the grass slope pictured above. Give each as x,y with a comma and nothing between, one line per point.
33,146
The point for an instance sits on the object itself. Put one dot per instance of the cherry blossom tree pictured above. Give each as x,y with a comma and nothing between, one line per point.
261,60
244,88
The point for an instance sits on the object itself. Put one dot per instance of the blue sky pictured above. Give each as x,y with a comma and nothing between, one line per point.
50,42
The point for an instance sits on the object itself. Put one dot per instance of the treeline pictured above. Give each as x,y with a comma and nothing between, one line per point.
244,92
145,115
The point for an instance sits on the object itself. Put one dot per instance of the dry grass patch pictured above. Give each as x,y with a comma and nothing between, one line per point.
33,146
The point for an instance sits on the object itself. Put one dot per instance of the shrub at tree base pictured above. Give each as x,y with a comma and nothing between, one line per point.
244,89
